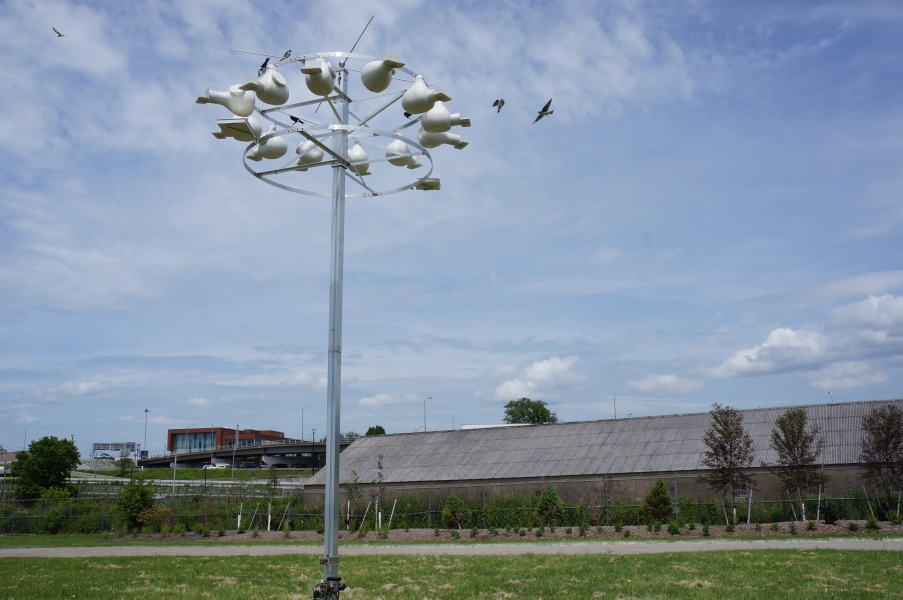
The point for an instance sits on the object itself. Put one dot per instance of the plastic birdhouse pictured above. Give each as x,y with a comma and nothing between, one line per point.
377,75
439,120
419,98
269,87
237,100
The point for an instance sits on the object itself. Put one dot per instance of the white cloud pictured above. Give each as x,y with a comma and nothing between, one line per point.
14,414
542,375
305,379
380,400
784,350
666,384
199,402
878,313
843,375
82,388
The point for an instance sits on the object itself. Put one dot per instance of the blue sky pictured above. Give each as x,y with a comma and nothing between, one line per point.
712,214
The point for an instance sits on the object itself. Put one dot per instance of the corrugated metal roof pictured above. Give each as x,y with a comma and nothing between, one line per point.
584,448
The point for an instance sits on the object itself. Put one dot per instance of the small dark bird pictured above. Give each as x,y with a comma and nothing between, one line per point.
407,115
545,111
58,34
263,67
295,119
500,103
286,55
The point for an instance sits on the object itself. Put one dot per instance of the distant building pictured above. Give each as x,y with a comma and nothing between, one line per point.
592,460
211,438
114,449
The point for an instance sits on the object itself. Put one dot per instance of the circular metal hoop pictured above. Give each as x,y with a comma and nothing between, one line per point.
355,132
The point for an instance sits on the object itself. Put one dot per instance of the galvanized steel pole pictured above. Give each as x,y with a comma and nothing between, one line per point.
334,382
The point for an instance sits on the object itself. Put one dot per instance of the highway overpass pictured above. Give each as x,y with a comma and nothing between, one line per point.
280,454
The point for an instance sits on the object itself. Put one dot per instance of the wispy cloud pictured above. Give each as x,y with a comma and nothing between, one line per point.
666,384
383,400
542,376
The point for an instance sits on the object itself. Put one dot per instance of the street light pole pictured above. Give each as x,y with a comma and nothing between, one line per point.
424,413
145,430
302,421
175,459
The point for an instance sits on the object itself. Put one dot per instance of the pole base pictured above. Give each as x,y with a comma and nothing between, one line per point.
329,588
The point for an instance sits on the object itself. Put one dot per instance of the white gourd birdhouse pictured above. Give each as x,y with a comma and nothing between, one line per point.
419,98
439,120
308,154
397,148
238,101
357,154
377,75
275,147
319,77
243,129
269,87
432,140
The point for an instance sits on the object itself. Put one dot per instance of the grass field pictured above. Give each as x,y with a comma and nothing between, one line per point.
753,574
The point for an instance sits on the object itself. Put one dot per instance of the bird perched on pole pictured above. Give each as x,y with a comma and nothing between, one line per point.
500,103
263,67
295,119
58,34
545,111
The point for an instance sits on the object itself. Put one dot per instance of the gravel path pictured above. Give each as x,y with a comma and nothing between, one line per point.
895,544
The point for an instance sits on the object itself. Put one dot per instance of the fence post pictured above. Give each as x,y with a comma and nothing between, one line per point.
41,519
429,507
103,512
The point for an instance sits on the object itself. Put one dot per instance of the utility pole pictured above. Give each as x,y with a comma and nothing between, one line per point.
145,430
424,413
615,401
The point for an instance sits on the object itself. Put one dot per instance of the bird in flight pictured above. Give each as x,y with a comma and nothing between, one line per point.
545,111
263,67
500,103
58,34
286,55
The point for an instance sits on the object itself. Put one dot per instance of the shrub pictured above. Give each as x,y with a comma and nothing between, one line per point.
222,530
152,516
871,524
673,528
455,513
256,532
792,528
618,527
568,531
198,528
179,529
599,529
552,528
729,528
137,496
539,531
51,524
164,529
853,526
583,530
705,530
205,532
657,526
493,531
758,527
436,532
626,533
365,529
521,532
658,503
320,528
691,526
474,531
830,513
550,508
811,526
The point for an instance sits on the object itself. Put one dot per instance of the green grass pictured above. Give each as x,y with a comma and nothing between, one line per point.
738,574
163,473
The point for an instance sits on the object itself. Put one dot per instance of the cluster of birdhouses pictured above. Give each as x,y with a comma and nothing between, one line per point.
322,79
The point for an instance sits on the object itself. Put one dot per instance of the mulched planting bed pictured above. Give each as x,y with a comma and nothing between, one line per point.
483,535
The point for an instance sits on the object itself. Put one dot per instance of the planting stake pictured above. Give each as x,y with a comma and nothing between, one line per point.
867,501
392,514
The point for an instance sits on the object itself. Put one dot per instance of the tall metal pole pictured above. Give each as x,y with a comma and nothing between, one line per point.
330,559
424,413
145,430
302,421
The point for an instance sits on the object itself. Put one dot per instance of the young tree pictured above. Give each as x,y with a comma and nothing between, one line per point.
47,464
658,503
124,463
798,447
729,452
455,513
882,447
376,430
136,496
524,410
550,508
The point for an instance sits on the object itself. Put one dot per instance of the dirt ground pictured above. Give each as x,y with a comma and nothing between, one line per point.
482,535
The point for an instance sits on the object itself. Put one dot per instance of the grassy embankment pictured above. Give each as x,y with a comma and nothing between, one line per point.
735,575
